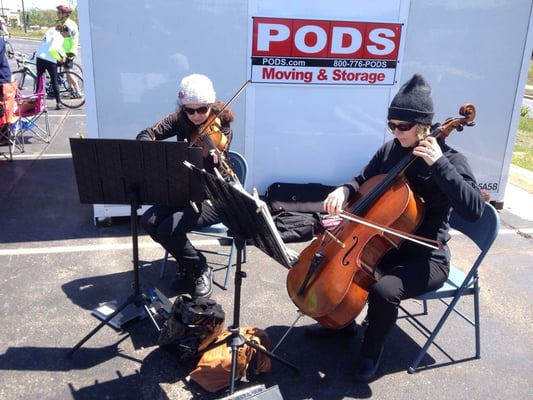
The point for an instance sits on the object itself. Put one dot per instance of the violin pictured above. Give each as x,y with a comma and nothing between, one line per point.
333,275
213,140
210,136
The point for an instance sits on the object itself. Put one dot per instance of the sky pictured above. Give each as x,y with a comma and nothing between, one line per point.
28,4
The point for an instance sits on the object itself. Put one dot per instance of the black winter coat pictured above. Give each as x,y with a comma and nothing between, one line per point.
448,183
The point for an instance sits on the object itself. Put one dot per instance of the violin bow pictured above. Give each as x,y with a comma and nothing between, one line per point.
226,105
386,229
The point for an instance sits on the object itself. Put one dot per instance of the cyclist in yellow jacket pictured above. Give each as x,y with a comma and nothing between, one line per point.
71,38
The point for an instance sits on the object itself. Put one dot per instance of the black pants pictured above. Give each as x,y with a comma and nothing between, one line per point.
403,276
169,226
51,67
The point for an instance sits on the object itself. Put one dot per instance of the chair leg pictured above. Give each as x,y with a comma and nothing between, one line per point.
476,319
47,125
449,309
13,134
163,266
41,133
230,264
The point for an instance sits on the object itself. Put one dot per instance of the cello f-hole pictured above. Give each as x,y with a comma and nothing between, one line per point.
345,260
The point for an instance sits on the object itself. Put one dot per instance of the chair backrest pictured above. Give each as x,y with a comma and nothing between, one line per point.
482,232
238,164
35,103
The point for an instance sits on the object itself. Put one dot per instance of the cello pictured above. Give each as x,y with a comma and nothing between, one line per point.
333,275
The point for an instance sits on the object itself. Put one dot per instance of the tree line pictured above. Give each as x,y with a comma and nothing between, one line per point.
35,16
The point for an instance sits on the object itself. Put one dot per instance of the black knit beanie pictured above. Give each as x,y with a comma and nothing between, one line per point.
413,102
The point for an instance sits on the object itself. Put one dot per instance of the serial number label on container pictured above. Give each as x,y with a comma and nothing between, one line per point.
489,186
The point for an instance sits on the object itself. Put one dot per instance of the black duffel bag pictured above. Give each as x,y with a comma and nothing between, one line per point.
298,227
297,197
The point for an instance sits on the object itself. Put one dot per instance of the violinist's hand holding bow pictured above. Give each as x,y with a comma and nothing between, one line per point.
214,156
429,150
335,200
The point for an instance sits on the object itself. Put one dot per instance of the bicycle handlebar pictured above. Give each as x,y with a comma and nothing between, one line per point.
22,58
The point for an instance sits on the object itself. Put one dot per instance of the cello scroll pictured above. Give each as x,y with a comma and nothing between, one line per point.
468,111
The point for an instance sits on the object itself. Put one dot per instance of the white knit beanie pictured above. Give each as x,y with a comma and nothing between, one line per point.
196,89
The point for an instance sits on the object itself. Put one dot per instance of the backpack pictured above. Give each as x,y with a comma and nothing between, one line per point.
192,325
213,371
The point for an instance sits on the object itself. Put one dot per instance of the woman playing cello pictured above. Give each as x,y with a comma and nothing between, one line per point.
443,179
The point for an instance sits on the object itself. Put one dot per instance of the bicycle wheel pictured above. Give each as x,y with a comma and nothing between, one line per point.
71,91
76,68
26,82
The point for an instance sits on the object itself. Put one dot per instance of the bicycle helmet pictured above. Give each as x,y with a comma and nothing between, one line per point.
64,9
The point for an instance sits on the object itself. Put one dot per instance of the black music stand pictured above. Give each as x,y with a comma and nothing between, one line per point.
113,171
249,220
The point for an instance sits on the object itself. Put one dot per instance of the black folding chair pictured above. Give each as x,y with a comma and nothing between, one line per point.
482,233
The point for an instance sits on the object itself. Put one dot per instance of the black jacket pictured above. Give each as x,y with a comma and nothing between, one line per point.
178,125
448,183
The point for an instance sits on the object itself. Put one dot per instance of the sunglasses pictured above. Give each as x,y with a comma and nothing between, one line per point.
401,127
192,111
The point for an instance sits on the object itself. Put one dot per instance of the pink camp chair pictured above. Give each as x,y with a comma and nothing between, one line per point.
30,109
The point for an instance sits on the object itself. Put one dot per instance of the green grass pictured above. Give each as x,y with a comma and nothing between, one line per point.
530,74
529,81
19,33
523,148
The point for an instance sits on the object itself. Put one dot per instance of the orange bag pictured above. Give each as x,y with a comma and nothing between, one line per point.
213,371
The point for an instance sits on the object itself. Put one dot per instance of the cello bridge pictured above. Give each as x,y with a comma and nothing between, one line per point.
334,238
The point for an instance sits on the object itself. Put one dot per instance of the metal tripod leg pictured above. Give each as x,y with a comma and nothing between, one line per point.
137,298
236,340
133,299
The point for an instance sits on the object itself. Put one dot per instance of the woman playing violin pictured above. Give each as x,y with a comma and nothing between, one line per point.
169,225
442,177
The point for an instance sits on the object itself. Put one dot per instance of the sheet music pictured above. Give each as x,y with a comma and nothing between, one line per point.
290,257
246,215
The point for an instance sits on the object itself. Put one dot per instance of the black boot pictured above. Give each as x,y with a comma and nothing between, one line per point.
203,282
367,365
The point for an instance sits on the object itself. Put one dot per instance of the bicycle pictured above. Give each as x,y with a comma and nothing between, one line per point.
68,95
23,72
70,88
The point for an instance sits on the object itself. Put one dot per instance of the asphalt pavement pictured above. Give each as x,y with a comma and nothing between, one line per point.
56,266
